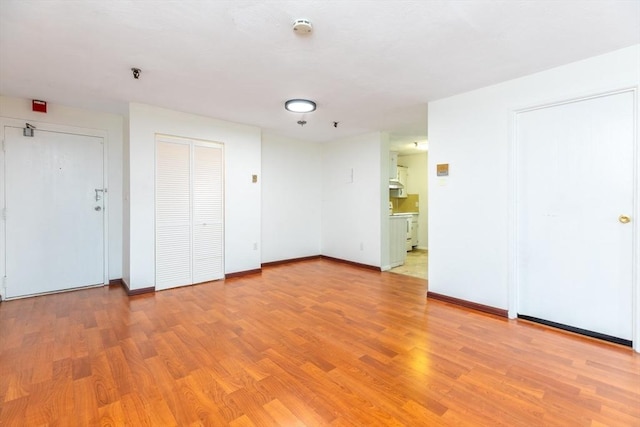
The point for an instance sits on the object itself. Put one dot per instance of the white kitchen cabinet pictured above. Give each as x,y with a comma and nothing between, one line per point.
397,240
414,231
408,246
402,172
393,165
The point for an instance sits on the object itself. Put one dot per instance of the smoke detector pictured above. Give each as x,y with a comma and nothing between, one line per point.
302,26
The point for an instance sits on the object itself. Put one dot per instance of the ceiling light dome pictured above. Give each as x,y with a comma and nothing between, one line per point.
300,106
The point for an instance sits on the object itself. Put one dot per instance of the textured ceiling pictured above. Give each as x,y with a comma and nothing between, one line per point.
370,65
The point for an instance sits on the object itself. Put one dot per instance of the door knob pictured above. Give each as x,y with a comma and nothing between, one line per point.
624,219
97,208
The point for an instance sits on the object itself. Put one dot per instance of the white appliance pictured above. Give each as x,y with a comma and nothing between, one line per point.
409,246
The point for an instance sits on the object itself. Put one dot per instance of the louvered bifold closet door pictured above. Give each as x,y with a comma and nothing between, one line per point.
173,213
208,227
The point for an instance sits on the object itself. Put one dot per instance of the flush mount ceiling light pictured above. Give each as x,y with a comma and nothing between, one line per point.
300,106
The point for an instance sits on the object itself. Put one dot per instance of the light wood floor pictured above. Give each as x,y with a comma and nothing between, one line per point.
415,265
313,343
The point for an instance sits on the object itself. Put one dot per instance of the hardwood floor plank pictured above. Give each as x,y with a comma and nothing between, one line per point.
291,376
50,400
81,368
313,343
42,361
619,416
196,388
135,411
211,388
142,378
14,412
15,385
422,414
111,414
281,415
120,370
385,410
341,401
78,341
85,403
614,395
62,338
301,409
169,390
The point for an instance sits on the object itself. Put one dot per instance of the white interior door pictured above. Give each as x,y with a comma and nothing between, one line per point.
575,179
54,224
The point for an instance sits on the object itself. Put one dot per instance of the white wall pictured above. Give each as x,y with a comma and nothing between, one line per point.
242,152
112,125
469,210
417,183
126,205
352,205
291,198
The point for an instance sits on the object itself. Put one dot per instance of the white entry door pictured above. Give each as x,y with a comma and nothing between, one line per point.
54,220
575,191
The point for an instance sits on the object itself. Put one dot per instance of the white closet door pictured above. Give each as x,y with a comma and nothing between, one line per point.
208,213
173,214
189,212
575,180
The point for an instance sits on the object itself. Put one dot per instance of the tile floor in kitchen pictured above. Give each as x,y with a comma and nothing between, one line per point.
416,264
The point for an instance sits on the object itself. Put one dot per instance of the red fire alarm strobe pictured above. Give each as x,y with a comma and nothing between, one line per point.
39,106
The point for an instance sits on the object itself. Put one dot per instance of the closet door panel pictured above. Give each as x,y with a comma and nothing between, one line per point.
208,212
173,214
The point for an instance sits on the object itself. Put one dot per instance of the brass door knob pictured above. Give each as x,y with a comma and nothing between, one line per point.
624,219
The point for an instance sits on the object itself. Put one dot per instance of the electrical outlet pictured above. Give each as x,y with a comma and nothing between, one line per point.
361,246
255,246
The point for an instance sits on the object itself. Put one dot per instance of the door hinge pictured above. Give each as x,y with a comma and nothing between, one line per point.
3,149
4,213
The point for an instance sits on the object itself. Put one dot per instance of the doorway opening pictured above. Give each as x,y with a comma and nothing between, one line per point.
410,202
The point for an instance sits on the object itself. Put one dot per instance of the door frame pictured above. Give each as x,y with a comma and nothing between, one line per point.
54,128
513,197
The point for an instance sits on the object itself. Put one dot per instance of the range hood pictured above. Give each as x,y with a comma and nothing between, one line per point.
394,184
